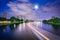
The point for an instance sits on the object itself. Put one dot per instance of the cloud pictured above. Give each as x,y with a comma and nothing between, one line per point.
24,0
49,10
22,9
26,10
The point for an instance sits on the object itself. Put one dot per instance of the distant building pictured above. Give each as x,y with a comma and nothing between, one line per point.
5,15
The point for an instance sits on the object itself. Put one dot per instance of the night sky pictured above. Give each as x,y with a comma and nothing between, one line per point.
46,8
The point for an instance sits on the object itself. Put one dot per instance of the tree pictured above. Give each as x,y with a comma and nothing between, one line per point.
2,19
12,18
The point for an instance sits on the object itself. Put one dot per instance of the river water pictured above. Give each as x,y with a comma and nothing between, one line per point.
50,28
18,30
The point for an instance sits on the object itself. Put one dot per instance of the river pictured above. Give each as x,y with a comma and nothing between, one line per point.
22,32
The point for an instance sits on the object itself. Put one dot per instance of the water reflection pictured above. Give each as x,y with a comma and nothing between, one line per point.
8,29
56,27
14,25
36,24
51,28
19,29
24,25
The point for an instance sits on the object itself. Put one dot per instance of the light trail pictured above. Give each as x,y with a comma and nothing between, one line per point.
34,29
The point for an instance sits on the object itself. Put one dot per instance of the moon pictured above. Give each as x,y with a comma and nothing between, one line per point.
36,7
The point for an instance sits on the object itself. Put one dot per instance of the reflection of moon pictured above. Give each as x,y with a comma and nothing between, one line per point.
36,6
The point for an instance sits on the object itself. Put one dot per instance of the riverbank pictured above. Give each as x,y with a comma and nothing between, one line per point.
55,22
4,24
16,22
52,23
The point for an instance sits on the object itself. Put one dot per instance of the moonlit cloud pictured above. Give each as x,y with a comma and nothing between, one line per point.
23,0
22,9
26,10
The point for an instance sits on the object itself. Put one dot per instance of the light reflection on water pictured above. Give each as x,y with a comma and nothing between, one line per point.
50,28
46,27
20,28
36,24
14,25
40,25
